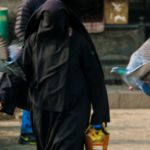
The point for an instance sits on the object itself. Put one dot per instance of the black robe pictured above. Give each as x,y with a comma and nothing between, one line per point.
63,78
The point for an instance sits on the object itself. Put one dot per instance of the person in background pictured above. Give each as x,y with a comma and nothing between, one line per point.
64,77
24,13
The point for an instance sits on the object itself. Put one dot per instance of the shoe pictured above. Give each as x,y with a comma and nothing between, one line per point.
28,139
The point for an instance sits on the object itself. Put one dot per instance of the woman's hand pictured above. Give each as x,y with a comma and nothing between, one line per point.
146,81
131,88
1,106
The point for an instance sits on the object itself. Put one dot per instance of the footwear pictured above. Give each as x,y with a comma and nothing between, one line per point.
27,139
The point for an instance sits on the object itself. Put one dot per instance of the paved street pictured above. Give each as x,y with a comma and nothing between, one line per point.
129,128
9,133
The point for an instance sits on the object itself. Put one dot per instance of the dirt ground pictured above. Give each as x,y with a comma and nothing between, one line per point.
129,130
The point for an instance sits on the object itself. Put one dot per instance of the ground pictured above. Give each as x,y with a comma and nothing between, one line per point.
129,130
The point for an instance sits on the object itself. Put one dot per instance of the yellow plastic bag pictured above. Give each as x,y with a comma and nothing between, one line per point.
96,139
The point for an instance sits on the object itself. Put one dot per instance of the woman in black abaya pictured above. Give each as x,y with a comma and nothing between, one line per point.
63,78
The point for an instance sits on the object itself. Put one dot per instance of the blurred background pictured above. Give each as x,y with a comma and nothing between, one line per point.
118,28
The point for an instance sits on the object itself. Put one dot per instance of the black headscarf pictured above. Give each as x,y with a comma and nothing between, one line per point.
83,7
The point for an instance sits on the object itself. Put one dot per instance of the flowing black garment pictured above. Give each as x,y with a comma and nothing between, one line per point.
62,130
45,62
63,79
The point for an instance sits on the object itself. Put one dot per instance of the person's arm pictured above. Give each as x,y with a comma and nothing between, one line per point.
1,106
24,12
14,89
96,84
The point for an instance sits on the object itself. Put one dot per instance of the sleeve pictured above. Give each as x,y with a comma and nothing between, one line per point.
24,12
14,89
96,84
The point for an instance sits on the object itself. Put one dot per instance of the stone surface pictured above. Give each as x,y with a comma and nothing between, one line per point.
9,131
121,97
129,130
